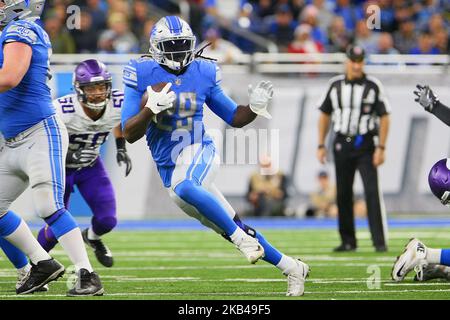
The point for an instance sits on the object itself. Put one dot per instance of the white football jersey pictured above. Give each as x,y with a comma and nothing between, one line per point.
83,131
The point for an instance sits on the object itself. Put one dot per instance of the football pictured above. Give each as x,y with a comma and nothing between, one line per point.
156,87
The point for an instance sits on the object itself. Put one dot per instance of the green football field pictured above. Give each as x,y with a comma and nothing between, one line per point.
200,265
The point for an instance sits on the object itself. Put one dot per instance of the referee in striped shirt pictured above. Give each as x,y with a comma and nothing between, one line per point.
359,112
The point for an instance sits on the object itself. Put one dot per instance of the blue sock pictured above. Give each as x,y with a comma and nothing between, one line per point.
445,257
17,257
206,204
9,223
61,222
271,255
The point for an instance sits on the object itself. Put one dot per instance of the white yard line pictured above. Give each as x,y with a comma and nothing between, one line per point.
232,294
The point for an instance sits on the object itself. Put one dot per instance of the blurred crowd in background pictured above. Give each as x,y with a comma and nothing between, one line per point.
297,26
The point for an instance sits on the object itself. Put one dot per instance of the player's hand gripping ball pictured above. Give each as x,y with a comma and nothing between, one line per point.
158,97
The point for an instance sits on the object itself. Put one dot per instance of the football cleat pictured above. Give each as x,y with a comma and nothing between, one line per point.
413,257
22,276
102,252
434,271
251,249
87,284
40,274
296,279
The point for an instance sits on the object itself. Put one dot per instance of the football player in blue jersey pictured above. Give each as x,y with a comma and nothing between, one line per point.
185,155
33,153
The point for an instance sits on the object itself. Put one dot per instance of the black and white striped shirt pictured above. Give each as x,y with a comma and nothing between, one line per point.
355,106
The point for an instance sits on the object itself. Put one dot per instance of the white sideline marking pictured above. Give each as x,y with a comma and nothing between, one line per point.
205,254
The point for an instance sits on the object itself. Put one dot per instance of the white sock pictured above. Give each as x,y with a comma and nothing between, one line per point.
23,239
91,234
286,264
73,245
238,236
25,269
433,256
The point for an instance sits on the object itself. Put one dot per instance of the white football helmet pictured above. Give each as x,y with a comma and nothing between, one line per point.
172,43
13,10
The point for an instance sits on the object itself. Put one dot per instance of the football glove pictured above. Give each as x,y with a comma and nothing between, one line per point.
122,156
83,156
160,101
425,97
260,98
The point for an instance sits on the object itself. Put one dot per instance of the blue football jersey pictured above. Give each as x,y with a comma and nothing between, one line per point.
174,129
30,102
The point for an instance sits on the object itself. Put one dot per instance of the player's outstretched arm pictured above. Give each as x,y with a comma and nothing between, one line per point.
17,60
442,112
243,116
430,102
239,116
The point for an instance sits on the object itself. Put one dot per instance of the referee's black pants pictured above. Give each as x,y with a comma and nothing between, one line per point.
351,154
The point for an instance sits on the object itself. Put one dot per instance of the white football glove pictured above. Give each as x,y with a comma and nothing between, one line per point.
260,98
160,101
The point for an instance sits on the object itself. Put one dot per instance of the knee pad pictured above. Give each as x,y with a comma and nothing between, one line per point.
103,225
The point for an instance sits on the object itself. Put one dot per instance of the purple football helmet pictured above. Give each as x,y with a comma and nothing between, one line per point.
88,75
439,180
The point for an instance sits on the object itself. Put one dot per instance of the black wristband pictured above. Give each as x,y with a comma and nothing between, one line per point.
120,143
320,146
381,147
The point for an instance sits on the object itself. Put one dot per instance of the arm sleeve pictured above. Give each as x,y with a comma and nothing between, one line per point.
21,32
442,112
222,105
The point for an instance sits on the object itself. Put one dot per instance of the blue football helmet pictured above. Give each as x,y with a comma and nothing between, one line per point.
172,43
13,10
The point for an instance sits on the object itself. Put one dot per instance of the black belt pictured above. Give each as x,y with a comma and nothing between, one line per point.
358,139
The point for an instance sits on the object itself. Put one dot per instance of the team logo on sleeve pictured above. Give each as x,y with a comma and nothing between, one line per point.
22,32
130,76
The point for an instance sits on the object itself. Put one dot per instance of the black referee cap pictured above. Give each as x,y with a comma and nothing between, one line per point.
355,53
